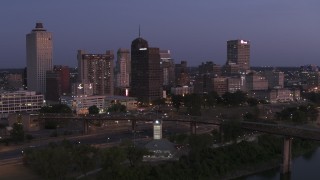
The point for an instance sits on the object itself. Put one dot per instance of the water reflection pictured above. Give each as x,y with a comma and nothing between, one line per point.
304,167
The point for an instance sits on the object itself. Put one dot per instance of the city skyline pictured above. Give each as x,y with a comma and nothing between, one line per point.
281,33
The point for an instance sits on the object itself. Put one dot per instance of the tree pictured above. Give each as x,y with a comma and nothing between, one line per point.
248,116
313,97
193,103
234,98
199,142
93,109
117,108
112,160
211,99
176,101
51,162
231,130
300,114
159,101
84,157
252,101
17,132
56,108
135,155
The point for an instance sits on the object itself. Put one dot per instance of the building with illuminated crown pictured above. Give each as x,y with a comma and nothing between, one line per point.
238,52
146,74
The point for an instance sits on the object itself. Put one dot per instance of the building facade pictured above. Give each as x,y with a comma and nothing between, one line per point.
123,68
97,69
276,95
236,84
182,74
220,85
275,79
57,83
146,74
238,52
255,81
182,90
39,58
80,104
78,89
20,101
167,66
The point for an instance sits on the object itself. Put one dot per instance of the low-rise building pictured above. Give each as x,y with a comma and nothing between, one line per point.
29,121
81,103
220,85
129,102
255,81
182,90
276,95
20,101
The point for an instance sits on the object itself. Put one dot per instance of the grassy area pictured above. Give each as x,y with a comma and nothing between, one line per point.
17,172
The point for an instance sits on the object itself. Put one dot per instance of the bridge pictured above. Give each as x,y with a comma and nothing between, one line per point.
289,132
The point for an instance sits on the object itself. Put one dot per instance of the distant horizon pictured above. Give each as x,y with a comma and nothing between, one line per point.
281,33
18,68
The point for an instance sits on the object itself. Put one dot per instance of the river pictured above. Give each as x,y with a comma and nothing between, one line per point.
305,167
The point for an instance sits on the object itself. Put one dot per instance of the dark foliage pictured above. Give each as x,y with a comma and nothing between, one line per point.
56,108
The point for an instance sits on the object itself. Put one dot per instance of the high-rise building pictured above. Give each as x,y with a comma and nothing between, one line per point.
238,52
182,74
98,70
39,58
123,68
58,82
146,74
167,66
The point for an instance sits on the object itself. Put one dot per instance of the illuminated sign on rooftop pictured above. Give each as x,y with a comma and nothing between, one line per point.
243,42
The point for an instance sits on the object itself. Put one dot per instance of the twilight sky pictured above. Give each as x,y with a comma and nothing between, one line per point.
282,32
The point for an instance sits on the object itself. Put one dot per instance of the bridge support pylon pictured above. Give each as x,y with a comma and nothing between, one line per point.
85,126
286,155
134,124
193,127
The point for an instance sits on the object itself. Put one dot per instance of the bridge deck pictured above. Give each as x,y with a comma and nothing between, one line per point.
278,129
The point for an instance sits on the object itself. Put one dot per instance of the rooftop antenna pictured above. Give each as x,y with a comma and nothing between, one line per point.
139,31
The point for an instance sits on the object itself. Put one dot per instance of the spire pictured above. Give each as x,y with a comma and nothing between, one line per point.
139,31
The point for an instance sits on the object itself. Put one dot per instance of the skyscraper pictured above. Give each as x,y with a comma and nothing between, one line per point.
39,58
238,52
146,75
98,70
123,68
167,66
